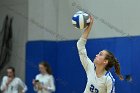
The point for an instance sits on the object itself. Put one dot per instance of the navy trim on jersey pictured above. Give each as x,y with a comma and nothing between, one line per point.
106,73
113,82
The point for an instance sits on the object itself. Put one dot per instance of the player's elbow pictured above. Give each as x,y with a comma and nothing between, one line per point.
25,89
52,89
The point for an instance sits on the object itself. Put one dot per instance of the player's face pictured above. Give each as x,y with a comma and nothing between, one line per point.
10,73
42,69
100,57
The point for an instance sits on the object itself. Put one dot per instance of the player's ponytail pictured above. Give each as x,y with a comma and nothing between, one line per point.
117,69
112,61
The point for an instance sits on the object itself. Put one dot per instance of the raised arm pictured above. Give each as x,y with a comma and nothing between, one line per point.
81,46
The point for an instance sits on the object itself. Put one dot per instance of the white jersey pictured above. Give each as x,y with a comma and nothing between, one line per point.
13,86
104,84
47,81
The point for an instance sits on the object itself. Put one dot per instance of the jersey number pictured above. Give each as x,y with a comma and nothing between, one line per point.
93,89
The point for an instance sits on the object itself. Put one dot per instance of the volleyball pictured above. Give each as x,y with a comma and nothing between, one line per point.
81,20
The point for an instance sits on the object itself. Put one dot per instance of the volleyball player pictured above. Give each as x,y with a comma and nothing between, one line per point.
99,78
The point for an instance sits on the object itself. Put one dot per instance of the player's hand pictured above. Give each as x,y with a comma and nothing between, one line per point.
44,87
40,87
91,23
9,81
91,20
88,29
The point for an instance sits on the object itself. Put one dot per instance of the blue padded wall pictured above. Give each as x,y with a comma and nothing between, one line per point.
69,74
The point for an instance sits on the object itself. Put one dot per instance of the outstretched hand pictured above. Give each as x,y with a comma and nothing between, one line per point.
91,23
88,29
